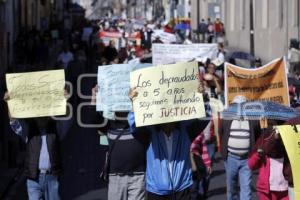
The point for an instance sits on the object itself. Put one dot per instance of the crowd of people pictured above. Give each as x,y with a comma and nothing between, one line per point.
172,161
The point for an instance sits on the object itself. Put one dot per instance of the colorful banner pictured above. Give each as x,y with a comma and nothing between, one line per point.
167,93
116,36
36,94
291,140
173,53
267,83
114,83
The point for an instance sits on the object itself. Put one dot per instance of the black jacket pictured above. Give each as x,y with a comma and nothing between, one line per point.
33,149
33,154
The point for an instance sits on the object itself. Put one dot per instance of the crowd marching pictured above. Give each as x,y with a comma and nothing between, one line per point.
165,161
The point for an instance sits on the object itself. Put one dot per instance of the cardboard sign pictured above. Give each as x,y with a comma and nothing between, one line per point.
291,141
173,53
167,93
267,83
36,94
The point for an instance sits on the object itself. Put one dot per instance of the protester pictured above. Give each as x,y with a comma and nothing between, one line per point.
238,137
126,158
212,82
202,30
43,166
201,165
210,29
221,53
168,172
268,157
110,52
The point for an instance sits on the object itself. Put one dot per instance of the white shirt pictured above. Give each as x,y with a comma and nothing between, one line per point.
221,57
44,160
276,180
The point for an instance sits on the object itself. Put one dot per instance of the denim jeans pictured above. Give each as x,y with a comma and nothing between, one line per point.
237,170
45,189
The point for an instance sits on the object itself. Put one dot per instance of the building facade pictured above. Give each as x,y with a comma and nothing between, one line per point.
276,22
204,9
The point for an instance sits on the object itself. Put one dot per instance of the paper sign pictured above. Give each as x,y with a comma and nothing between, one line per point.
114,85
173,53
291,140
167,94
267,83
36,94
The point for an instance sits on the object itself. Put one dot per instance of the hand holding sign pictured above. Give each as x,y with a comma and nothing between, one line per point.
166,94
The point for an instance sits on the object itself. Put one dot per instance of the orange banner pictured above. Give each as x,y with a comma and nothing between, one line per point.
267,83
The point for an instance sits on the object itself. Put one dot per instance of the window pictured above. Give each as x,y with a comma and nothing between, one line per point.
265,13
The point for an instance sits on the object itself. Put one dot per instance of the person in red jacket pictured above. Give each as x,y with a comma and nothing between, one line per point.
268,157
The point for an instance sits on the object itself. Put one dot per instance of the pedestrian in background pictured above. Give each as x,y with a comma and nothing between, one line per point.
203,29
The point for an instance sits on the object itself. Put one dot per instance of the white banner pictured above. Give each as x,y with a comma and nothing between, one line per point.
166,38
173,53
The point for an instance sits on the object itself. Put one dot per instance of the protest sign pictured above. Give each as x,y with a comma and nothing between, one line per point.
166,38
36,94
114,83
167,93
173,53
267,83
291,140
116,36
108,36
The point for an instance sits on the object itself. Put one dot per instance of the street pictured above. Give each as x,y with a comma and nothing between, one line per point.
163,87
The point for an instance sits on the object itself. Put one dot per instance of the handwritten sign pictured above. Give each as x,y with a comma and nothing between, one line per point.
167,94
173,53
114,83
36,94
291,141
268,83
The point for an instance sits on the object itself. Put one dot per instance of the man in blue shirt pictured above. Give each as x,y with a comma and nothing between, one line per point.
168,171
